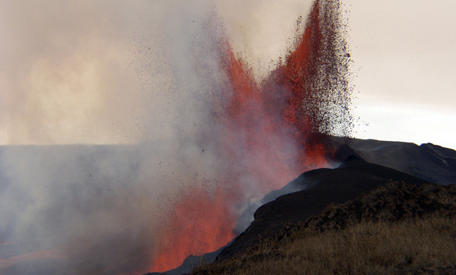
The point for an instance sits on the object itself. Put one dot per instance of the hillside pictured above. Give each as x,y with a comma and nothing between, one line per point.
364,165
398,228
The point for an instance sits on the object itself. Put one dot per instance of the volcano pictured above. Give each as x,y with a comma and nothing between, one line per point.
384,230
229,139
355,176
265,133
210,143
365,165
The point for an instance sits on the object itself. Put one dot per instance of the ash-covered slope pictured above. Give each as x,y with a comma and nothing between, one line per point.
428,161
392,211
324,187
395,201
366,165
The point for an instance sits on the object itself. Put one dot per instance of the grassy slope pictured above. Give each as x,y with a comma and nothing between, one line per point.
396,229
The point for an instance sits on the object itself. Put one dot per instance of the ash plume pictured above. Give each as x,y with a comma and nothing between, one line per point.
171,133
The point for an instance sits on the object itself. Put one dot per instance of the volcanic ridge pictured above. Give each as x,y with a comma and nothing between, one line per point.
357,195
283,126
398,228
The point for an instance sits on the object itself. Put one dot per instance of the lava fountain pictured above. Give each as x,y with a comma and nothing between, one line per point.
265,134
136,135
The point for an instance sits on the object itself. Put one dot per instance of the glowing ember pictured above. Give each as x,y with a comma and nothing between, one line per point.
274,130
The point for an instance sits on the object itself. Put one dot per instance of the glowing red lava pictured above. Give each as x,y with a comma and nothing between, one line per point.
201,222
278,126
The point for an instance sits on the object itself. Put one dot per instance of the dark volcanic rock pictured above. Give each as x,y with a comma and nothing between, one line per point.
428,161
396,201
391,203
298,184
366,165
329,186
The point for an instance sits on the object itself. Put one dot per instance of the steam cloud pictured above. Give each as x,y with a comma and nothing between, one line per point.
144,76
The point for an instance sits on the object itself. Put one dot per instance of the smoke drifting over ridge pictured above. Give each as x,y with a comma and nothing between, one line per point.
206,135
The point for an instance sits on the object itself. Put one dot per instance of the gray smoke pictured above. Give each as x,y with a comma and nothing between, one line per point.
131,87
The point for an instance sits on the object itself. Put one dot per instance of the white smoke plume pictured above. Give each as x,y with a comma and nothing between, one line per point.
104,117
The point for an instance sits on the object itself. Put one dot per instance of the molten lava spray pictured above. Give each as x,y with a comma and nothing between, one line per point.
200,222
140,134
267,134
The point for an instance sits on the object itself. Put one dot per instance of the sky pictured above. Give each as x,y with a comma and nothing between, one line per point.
404,56
64,68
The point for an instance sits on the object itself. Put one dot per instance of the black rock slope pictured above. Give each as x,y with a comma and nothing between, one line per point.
396,201
366,165
339,185
349,247
428,161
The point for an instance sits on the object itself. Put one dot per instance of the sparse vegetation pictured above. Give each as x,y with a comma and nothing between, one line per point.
413,244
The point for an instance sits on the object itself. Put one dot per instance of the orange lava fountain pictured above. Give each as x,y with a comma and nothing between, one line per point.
275,130
201,222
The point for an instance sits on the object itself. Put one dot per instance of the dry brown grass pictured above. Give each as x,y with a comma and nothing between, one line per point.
421,246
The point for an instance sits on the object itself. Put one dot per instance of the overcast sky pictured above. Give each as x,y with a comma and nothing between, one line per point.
62,65
405,59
